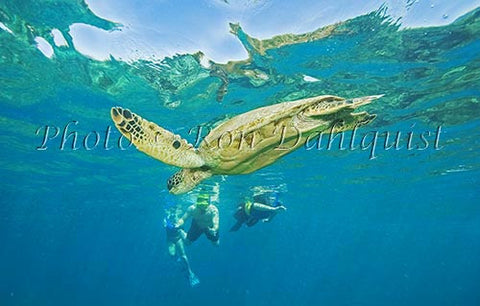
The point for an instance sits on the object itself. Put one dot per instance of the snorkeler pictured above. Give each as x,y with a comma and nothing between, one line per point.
250,212
175,238
205,220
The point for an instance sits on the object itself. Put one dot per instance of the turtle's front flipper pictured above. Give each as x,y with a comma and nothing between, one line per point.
155,141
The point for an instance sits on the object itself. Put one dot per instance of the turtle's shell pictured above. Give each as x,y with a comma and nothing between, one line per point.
257,138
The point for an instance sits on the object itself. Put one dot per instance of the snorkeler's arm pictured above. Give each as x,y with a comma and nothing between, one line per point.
215,197
263,207
185,216
216,219
273,213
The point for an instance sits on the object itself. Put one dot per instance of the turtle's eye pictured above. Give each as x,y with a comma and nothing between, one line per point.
176,144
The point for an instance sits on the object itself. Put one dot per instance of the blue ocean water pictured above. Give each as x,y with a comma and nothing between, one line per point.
82,223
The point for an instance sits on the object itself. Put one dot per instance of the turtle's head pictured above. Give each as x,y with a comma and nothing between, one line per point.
349,122
186,179
180,182
325,113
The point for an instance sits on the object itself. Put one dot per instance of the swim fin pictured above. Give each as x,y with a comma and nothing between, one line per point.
194,281
236,227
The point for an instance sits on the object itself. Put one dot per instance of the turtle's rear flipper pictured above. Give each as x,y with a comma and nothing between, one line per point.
154,140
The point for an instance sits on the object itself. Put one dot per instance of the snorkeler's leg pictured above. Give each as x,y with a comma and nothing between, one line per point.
193,233
236,227
171,249
192,278
183,256
251,222
183,234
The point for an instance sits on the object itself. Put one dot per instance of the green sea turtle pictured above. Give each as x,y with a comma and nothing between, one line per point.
246,142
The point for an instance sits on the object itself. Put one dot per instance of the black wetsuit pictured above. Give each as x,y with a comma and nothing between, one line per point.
251,219
173,234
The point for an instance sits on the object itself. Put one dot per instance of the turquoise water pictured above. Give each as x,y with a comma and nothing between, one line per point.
82,224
